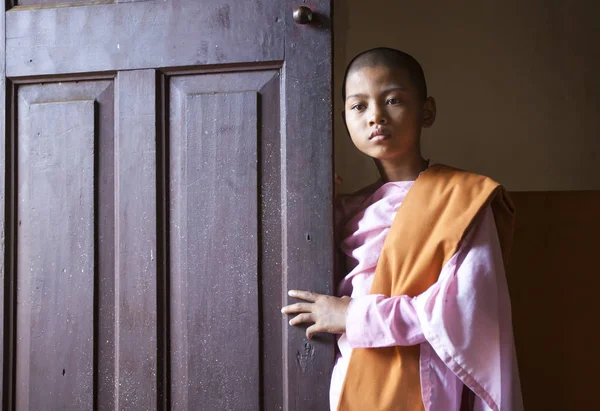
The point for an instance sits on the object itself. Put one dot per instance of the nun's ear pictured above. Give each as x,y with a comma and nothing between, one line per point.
429,112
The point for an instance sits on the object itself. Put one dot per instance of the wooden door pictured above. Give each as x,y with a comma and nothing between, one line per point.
166,177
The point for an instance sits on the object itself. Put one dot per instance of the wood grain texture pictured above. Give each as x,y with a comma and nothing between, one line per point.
217,238
270,244
4,136
59,3
49,176
136,318
266,161
55,274
553,281
140,35
105,251
307,204
222,293
267,85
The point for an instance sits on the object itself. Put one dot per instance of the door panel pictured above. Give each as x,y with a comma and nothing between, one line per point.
185,146
64,201
136,282
231,122
216,281
138,35
50,3
55,277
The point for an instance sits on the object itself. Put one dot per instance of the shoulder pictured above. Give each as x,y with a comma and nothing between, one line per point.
439,170
457,175
487,198
348,205
447,181
360,195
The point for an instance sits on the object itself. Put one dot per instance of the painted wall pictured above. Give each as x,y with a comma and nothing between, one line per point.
517,85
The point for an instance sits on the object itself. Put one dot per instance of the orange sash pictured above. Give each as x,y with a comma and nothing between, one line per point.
436,214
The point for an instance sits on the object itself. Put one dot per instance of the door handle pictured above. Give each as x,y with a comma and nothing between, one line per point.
303,15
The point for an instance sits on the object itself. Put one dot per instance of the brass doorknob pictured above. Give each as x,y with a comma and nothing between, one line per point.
303,15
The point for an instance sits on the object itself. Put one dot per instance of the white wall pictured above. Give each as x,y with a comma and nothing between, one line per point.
517,85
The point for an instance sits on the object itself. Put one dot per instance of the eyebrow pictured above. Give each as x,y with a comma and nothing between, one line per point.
387,90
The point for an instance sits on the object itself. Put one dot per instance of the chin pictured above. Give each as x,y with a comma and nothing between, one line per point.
382,155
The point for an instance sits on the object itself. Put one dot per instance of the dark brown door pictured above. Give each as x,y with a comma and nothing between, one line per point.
166,176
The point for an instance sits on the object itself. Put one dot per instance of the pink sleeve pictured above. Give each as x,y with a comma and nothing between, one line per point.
378,321
466,318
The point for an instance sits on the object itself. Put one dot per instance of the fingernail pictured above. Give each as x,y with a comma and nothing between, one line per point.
291,293
283,311
290,322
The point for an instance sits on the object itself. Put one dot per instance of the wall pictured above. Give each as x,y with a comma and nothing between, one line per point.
516,84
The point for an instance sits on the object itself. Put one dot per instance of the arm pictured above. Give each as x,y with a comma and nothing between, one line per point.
373,320
378,321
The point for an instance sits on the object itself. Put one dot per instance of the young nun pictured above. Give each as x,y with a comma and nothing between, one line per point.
423,311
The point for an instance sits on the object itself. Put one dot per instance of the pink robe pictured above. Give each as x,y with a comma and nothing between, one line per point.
462,323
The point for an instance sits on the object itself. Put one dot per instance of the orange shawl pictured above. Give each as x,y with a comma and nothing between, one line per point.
436,214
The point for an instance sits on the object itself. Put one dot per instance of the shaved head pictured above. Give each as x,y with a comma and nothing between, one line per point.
392,58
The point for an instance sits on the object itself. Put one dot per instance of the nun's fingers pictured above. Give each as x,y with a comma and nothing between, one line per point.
302,318
297,308
304,295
